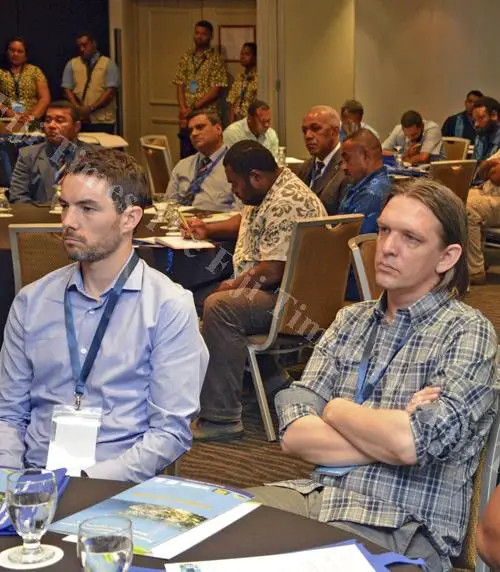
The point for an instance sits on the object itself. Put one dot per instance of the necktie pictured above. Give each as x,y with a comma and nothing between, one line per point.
200,176
316,173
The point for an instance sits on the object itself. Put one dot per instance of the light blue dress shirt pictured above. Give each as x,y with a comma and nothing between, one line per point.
112,74
239,131
147,375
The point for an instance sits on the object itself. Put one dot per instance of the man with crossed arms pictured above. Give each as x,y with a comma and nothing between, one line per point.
397,399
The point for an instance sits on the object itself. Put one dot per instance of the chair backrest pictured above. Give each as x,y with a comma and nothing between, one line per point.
158,161
484,483
37,249
363,255
456,175
456,148
315,277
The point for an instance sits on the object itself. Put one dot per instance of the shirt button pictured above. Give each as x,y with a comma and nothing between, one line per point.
83,351
91,312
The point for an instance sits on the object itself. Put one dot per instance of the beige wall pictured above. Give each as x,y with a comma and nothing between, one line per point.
423,55
318,52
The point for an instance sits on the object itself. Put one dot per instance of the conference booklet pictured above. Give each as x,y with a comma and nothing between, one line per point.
161,509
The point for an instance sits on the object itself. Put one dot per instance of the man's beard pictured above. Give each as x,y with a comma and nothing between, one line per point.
96,253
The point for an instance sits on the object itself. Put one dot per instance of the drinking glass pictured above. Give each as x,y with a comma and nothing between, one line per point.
160,205
281,157
5,208
31,498
399,156
171,216
55,204
105,544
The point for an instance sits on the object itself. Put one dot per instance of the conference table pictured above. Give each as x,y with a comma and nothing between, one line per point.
191,269
261,532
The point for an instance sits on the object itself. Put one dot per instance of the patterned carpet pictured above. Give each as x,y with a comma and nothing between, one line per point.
253,460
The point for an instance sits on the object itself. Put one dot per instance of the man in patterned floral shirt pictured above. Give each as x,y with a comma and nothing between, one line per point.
274,200
199,78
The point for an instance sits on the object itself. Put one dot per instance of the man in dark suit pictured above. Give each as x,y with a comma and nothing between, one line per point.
323,171
39,167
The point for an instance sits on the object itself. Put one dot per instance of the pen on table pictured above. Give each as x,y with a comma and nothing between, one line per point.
186,226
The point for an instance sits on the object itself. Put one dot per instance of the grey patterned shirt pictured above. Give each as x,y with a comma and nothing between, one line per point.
266,230
450,345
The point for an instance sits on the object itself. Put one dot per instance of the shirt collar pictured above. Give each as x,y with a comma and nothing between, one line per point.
94,58
329,157
246,128
420,312
355,186
134,281
214,156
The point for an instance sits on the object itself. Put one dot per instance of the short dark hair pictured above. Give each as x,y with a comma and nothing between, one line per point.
475,93
205,24
212,117
353,106
366,139
86,33
450,212
411,118
490,103
246,156
5,60
125,176
255,105
61,104
252,46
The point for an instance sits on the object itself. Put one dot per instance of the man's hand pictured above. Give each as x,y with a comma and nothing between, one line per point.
197,229
224,286
412,151
423,397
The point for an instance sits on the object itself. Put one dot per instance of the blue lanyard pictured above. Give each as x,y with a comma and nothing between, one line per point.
365,387
80,374
195,186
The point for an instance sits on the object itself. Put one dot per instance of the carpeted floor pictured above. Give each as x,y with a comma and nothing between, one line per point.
253,460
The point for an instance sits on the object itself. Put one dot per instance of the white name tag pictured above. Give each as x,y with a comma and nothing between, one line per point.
73,438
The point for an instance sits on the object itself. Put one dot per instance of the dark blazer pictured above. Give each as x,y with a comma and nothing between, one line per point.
33,176
331,186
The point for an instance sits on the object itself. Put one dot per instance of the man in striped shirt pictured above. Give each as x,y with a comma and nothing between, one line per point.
397,399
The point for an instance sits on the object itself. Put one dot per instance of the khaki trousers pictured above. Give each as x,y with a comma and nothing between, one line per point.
482,211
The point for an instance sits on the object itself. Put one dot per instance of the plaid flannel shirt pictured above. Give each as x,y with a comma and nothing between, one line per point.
451,345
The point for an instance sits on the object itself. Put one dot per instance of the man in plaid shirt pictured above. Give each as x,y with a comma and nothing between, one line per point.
397,399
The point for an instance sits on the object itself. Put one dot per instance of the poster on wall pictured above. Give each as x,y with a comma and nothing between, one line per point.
232,38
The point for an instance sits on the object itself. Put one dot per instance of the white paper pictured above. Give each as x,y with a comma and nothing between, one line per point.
188,539
218,217
293,161
179,243
62,450
103,139
333,559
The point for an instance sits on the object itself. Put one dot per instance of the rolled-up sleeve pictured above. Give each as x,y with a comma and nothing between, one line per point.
457,424
179,361
16,376
390,143
112,75
68,80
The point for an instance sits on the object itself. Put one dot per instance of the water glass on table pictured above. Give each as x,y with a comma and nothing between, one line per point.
105,544
31,498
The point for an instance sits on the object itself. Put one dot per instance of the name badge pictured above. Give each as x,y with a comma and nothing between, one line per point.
17,107
72,426
193,86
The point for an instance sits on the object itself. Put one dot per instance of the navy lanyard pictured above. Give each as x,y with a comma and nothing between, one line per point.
365,387
17,83
196,68
80,374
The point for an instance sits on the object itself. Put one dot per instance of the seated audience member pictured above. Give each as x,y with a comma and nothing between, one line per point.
488,533
200,180
351,114
486,114
256,126
483,210
420,140
147,374
462,124
39,167
399,392
274,200
243,92
369,186
323,171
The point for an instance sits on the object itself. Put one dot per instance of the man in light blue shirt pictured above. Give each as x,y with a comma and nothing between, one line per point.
149,369
256,126
90,82
200,180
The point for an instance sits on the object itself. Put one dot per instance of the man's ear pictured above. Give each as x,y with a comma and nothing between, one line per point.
257,179
449,257
131,217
